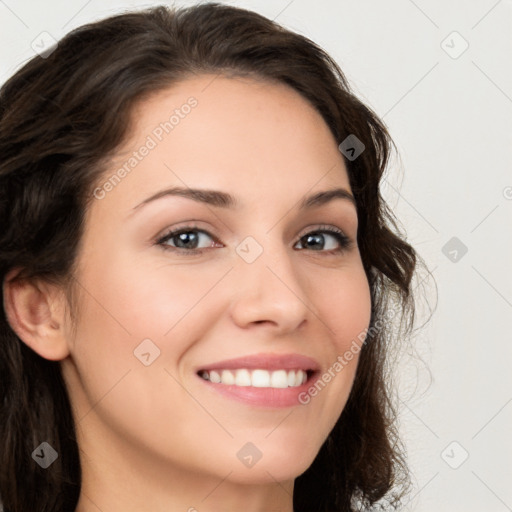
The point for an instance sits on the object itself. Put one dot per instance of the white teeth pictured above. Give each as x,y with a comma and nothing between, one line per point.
227,377
257,378
260,378
214,376
242,378
279,379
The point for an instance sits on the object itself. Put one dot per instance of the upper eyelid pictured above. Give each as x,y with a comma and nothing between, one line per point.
189,227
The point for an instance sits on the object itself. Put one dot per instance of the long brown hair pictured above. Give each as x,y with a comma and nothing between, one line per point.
62,115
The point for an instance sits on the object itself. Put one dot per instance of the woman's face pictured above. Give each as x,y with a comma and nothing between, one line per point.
259,277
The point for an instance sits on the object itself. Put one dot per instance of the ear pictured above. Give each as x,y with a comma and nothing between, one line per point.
35,310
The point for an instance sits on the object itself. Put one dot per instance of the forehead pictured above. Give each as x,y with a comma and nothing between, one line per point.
240,134
244,107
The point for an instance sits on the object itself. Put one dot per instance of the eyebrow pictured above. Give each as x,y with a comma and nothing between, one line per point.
225,200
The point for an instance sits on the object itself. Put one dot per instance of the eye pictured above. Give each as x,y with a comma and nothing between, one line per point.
186,239
316,240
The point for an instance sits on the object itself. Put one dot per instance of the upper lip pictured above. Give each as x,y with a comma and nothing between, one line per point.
265,362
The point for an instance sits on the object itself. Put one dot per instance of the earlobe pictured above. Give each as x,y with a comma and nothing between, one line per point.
35,312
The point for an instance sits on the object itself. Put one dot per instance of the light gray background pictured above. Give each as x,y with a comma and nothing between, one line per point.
450,114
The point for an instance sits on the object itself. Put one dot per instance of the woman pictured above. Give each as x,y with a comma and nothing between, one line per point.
198,274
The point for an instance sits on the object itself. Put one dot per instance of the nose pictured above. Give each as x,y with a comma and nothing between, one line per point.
270,291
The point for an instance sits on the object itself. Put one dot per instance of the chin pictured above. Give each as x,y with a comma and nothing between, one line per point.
274,467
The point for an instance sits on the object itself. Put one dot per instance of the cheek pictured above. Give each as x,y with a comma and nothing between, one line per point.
147,299
131,310
345,307
118,315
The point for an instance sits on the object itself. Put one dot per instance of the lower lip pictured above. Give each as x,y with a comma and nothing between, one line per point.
262,397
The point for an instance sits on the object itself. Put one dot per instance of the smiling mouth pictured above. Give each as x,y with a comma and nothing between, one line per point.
259,378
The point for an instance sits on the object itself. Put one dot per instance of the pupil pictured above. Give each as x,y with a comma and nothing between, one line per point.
318,239
185,237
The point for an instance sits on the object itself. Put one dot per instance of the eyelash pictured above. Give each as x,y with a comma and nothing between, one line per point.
345,243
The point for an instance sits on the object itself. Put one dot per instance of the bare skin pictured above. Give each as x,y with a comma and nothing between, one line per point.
156,437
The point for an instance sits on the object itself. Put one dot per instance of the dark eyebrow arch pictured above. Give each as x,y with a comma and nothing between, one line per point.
225,200
321,198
